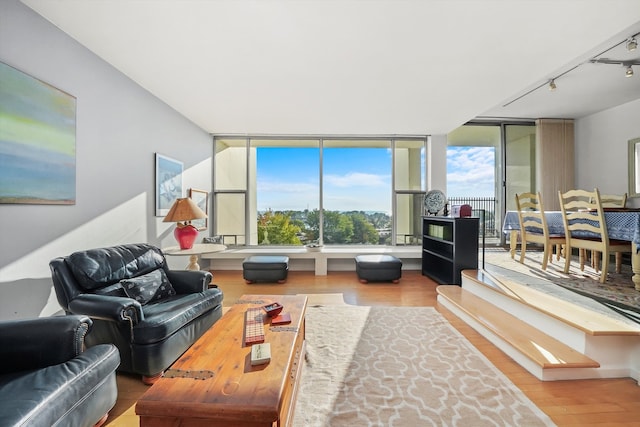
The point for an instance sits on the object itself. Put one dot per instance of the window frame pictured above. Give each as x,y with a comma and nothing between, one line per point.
250,241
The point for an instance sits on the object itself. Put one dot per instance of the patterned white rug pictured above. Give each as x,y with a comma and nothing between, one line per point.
401,366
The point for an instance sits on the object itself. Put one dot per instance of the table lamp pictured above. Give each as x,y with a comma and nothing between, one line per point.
182,212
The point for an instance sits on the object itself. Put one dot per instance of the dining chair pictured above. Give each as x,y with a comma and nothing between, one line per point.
586,229
613,200
534,229
610,201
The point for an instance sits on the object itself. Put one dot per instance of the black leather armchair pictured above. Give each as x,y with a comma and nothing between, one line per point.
47,378
151,313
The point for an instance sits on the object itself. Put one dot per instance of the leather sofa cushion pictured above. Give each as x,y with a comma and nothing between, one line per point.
153,286
97,268
56,393
184,308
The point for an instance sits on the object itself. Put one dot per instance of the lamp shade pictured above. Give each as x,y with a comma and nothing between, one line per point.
184,209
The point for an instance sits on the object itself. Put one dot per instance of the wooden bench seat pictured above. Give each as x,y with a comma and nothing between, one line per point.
316,260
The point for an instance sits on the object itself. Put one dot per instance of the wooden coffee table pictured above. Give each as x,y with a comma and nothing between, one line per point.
214,384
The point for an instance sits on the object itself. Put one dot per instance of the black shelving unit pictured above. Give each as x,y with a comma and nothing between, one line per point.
449,245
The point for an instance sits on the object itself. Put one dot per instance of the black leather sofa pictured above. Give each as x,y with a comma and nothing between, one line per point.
151,313
47,378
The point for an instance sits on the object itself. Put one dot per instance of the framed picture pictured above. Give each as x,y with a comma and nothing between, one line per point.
168,183
37,141
201,198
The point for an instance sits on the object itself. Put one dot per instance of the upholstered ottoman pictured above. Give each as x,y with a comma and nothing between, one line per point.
377,268
267,268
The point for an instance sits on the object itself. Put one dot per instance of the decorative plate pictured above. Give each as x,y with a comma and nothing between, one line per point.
434,201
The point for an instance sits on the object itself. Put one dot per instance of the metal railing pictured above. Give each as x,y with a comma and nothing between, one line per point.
480,204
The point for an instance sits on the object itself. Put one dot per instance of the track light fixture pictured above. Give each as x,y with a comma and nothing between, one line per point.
626,64
631,44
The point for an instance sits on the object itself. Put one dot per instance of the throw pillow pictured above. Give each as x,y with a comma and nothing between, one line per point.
149,287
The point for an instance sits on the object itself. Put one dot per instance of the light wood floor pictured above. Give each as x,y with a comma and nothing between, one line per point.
607,402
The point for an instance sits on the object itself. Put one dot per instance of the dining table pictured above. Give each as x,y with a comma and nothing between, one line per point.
622,224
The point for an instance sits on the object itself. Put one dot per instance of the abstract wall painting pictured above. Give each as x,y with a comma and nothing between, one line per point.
168,183
37,141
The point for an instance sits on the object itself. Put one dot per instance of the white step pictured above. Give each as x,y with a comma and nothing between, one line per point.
525,324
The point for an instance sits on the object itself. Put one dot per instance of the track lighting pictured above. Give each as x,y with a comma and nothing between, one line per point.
626,64
631,44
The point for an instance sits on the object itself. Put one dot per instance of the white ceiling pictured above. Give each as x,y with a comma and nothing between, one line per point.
360,66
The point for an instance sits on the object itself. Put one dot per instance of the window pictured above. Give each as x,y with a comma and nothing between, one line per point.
318,190
230,197
487,164
287,191
409,186
473,172
356,191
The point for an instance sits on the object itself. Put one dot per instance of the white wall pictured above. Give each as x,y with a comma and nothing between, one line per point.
119,128
601,149
437,167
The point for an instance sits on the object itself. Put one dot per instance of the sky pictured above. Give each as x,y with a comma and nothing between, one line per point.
471,171
358,178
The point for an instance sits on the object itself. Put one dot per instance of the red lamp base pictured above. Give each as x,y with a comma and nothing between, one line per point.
185,235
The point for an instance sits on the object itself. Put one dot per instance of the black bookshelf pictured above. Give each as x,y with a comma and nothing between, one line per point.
449,245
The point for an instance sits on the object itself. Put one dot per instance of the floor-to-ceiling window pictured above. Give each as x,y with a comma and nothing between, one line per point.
409,184
287,190
298,191
356,176
520,155
487,164
230,197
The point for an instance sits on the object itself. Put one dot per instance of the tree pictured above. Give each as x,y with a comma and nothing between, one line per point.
338,227
312,222
379,220
276,228
363,230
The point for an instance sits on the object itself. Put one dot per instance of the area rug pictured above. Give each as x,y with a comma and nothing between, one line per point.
617,297
401,366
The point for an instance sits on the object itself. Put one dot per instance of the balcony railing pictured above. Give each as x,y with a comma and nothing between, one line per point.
480,205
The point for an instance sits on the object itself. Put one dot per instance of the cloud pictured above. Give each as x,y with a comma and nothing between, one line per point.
287,195
359,203
471,171
287,187
357,179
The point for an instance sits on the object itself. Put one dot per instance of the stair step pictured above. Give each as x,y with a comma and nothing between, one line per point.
583,319
540,348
